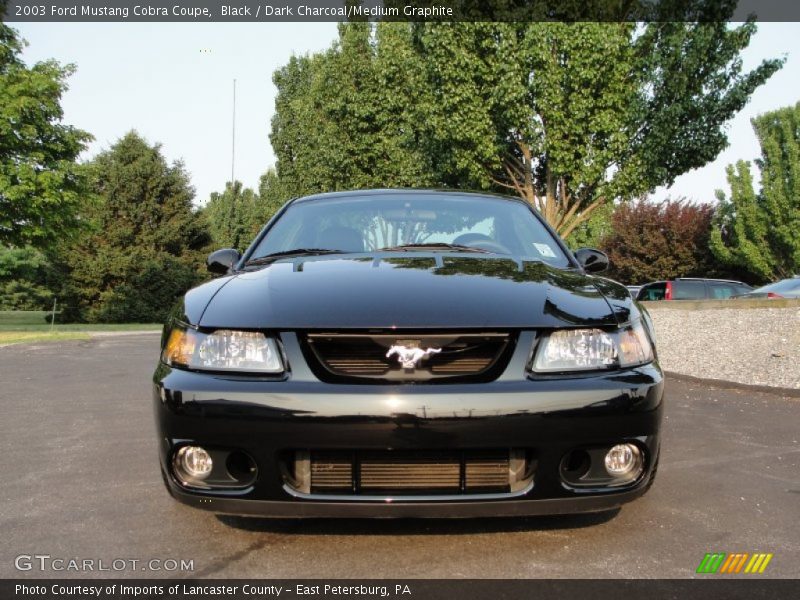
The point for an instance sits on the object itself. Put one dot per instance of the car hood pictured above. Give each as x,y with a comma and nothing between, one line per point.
444,291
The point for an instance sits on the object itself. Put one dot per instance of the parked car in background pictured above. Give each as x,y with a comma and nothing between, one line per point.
690,288
634,290
785,288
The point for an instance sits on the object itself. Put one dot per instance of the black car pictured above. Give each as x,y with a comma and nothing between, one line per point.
691,288
408,353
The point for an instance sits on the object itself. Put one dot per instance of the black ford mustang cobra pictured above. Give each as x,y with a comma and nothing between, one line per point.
408,353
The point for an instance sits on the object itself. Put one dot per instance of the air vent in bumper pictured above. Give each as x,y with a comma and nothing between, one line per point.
395,472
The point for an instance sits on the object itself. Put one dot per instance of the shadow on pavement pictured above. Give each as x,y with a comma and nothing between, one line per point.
416,526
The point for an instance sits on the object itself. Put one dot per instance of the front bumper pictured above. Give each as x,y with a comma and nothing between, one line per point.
399,509
548,417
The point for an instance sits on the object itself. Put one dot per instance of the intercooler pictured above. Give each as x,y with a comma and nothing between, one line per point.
396,472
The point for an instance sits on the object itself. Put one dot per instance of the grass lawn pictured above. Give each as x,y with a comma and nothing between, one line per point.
34,321
22,337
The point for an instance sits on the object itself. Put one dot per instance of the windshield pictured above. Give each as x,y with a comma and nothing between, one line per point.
786,285
367,223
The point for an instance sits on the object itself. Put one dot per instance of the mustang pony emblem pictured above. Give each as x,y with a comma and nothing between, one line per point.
410,356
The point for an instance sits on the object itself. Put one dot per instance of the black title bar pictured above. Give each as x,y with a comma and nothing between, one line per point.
205,11
710,588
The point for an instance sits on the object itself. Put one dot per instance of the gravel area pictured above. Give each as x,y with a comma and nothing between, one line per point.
757,346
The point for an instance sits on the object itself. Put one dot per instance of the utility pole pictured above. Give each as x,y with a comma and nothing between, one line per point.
233,133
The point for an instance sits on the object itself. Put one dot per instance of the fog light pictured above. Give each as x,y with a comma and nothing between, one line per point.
194,461
622,459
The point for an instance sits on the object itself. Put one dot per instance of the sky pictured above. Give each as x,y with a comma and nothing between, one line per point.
173,83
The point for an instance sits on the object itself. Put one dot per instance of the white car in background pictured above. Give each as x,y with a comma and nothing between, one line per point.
785,288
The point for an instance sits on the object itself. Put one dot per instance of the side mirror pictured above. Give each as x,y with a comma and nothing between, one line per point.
592,261
222,261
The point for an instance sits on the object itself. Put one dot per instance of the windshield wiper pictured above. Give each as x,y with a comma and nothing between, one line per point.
262,260
434,246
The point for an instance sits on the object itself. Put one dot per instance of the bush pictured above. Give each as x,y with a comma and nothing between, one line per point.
147,295
650,241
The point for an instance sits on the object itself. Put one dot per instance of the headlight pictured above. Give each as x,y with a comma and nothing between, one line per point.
593,349
223,350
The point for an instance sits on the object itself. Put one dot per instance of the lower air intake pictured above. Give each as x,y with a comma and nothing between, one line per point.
394,472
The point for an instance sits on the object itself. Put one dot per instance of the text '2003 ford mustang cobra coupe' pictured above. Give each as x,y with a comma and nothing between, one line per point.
408,353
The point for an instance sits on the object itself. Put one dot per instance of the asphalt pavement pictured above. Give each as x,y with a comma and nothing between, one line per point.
81,481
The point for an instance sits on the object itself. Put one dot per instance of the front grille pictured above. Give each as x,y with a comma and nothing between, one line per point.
354,357
395,472
332,472
417,471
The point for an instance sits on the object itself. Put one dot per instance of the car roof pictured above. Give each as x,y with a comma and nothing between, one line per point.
405,192
694,279
706,279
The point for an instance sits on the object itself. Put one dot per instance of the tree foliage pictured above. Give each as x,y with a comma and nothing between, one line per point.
592,231
231,216
272,195
40,183
147,240
759,233
569,116
236,215
651,241
24,279
346,118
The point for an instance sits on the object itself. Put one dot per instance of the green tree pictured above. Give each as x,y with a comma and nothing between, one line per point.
40,182
591,232
235,216
293,135
231,216
147,240
272,195
348,118
759,233
739,235
572,116
569,116
24,279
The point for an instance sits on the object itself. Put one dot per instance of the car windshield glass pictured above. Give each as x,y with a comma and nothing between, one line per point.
413,222
787,285
654,291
